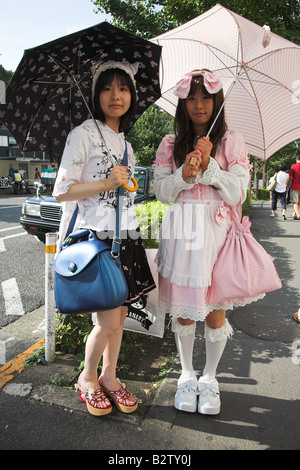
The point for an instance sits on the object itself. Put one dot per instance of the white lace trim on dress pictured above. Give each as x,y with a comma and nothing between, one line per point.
201,314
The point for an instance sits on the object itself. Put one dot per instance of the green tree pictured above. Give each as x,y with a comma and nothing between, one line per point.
147,133
286,155
5,75
149,18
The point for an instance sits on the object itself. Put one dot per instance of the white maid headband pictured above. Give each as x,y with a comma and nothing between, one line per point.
130,69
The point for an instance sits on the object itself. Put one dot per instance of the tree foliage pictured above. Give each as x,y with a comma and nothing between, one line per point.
5,75
149,18
146,134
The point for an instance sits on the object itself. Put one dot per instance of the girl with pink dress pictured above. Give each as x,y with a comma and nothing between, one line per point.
205,179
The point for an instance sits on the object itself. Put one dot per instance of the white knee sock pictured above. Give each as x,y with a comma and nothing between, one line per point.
185,338
215,342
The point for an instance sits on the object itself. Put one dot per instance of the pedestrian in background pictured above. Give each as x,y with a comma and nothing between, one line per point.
294,176
11,171
37,175
280,190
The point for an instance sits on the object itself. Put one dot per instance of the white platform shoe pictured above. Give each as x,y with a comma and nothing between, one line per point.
209,402
186,395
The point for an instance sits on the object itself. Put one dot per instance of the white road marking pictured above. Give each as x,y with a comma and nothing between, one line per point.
15,227
2,245
12,297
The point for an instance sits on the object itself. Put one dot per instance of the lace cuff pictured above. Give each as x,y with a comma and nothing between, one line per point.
218,334
183,330
179,181
213,174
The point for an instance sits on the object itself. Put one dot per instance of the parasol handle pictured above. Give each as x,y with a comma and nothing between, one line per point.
223,104
131,188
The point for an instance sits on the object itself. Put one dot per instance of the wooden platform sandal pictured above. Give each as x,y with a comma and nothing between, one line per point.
96,401
121,397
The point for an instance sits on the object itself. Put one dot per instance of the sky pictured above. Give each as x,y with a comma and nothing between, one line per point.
29,23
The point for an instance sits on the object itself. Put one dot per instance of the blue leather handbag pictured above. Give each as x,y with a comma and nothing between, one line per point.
88,274
88,278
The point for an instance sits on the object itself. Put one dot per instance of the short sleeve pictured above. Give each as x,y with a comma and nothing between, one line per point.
235,151
164,154
73,160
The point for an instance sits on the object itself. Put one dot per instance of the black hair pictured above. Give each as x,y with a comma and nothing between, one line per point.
282,167
123,78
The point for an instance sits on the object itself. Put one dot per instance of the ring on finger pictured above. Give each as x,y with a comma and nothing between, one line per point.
193,161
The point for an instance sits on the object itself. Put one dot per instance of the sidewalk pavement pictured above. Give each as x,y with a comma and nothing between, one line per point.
259,378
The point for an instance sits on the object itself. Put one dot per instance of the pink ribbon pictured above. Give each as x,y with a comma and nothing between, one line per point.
246,223
211,82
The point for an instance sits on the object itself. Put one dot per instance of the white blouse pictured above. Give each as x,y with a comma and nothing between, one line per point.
281,179
228,172
85,159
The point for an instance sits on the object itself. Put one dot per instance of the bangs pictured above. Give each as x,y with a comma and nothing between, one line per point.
197,85
123,79
107,77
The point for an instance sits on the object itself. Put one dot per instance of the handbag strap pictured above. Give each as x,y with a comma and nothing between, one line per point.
72,222
116,244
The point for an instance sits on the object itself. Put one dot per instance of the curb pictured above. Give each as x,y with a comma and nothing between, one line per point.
17,364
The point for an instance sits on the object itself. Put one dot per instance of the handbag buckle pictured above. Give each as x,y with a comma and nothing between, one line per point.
72,267
118,241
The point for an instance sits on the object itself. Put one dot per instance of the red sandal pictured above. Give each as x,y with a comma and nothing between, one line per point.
120,397
96,401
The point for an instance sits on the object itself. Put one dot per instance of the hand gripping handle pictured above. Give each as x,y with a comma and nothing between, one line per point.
131,188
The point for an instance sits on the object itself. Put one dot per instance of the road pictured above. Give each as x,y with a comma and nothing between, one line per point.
22,264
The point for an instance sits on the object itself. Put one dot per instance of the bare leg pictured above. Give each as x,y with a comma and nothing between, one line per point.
110,358
107,324
111,354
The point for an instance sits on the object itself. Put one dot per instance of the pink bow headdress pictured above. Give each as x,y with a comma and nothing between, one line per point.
211,82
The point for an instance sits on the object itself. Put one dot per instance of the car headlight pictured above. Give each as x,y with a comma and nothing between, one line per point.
31,209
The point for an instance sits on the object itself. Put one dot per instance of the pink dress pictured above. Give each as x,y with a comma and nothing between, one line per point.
196,225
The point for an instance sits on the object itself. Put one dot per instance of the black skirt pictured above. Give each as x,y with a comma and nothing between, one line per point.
134,264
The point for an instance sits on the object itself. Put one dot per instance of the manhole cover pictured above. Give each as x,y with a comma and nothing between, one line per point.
264,323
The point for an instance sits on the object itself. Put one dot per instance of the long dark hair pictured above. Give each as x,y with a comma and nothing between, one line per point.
183,127
123,79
